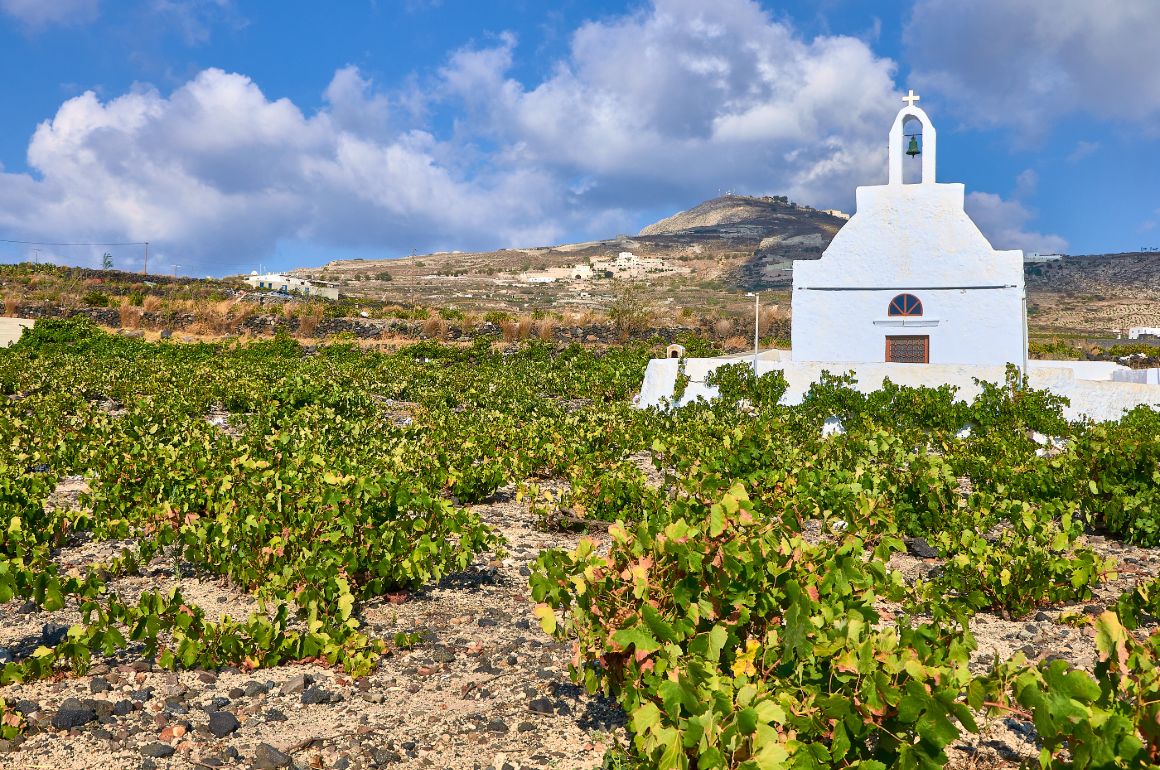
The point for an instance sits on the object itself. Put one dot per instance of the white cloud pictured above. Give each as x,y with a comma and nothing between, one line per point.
354,105
1026,183
194,19
216,174
37,14
1004,222
663,106
1027,62
1082,150
686,97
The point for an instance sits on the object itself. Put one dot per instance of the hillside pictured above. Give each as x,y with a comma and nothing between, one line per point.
710,253
1096,293
703,260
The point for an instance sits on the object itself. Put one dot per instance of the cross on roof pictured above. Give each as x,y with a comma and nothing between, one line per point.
910,98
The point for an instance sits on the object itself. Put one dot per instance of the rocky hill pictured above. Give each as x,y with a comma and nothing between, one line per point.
717,250
1096,294
763,235
742,216
1134,272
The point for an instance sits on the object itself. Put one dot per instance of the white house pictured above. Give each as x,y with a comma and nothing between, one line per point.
292,285
910,279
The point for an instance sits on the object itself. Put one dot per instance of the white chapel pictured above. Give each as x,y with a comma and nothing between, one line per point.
911,292
910,279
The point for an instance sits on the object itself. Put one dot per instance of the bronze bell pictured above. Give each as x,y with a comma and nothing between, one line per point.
912,149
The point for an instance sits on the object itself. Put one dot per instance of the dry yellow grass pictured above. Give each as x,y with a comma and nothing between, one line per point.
130,316
308,321
435,327
737,343
516,330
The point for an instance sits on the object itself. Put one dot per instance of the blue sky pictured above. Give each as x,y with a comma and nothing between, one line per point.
233,133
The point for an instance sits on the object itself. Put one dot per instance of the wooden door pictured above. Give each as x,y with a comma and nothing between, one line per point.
908,349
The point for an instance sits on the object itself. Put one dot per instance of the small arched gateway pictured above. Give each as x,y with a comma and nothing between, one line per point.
909,278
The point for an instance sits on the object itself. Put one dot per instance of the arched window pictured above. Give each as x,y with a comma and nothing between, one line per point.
905,305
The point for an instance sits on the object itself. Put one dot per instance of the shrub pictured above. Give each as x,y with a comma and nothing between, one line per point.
732,643
1033,562
1109,721
736,382
434,328
1119,481
49,334
631,311
95,299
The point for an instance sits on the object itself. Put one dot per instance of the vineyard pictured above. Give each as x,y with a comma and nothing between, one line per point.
763,586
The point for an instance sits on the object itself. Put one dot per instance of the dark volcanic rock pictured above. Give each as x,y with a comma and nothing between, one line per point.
917,546
316,695
27,707
52,634
296,684
266,757
222,723
157,750
73,713
541,706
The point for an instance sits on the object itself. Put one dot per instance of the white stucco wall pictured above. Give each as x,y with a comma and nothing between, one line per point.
915,239
964,326
12,328
1097,399
1093,370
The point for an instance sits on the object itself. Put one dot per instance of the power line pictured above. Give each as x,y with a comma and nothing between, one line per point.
43,243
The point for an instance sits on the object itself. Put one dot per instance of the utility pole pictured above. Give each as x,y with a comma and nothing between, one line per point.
146,257
756,325
36,256
1025,335
175,269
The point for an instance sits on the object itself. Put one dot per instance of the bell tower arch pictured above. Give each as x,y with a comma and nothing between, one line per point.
929,141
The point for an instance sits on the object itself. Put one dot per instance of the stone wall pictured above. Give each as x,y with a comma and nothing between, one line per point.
360,328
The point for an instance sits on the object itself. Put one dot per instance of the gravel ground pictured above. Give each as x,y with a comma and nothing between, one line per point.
1010,741
484,688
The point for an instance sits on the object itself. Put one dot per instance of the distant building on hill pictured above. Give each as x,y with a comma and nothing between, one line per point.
292,285
836,213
